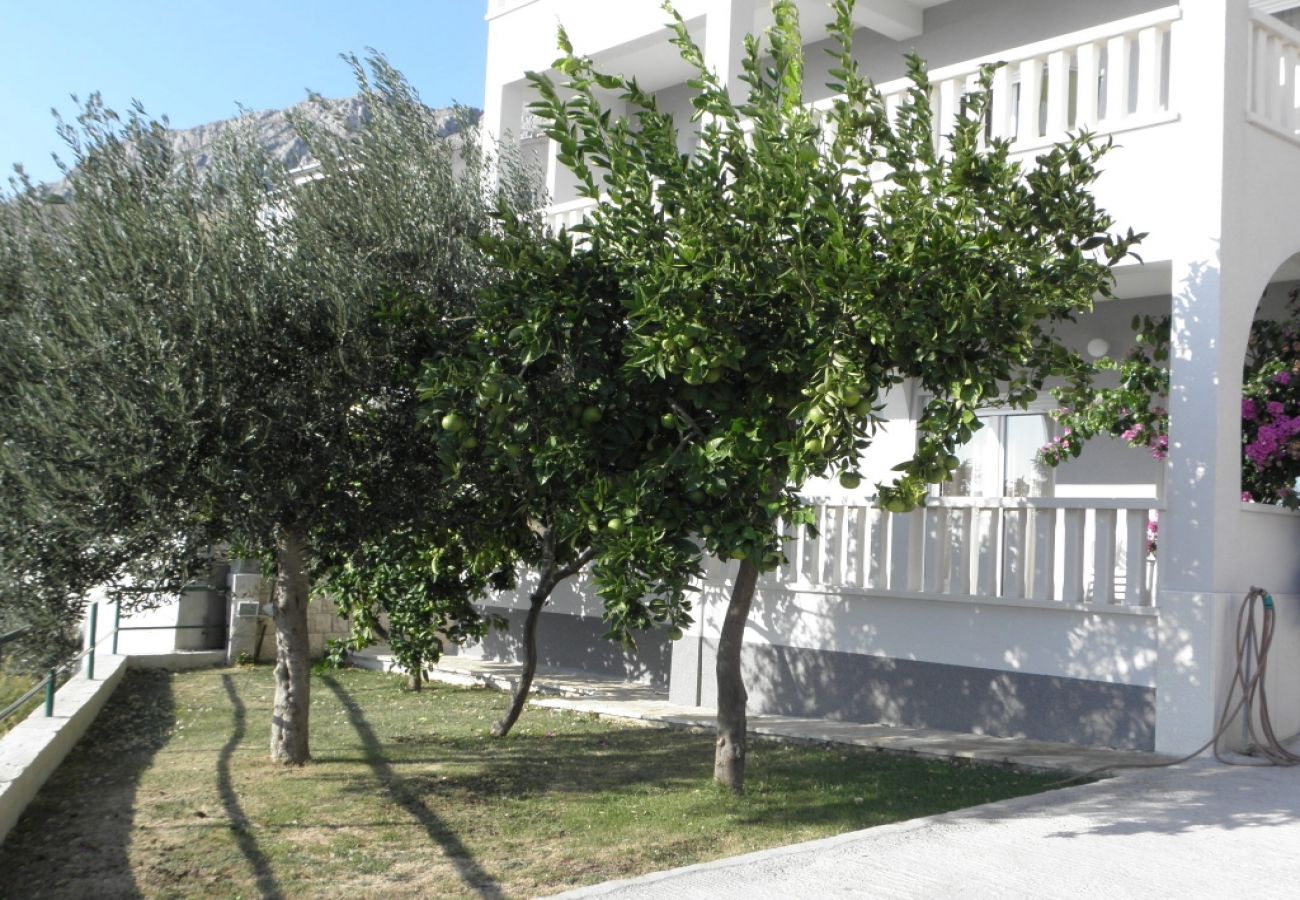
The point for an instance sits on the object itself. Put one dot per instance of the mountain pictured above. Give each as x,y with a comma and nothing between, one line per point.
274,132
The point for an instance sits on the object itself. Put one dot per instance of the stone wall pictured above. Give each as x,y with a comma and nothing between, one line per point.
250,622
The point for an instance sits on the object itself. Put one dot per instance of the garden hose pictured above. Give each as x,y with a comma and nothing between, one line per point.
1252,648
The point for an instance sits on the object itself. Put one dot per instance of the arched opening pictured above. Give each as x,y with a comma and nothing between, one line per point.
1270,394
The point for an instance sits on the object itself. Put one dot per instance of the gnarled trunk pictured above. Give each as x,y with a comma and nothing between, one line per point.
536,601
729,755
292,652
551,576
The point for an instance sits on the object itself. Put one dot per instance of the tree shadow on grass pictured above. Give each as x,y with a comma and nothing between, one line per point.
471,873
74,838
266,883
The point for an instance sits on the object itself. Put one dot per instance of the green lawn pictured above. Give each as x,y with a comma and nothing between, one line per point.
11,688
171,795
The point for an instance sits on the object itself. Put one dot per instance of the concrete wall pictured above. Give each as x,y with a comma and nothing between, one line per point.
571,635
247,632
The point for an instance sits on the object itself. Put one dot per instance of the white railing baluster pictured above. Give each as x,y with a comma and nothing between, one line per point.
986,526
1087,86
1058,93
1013,553
1031,86
1287,92
1135,556
932,552
876,572
1117,79
1103,570
947,113
1072,552
1043,554
1150,70
1000,104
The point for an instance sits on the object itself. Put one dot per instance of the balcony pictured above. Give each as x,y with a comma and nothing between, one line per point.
1108,79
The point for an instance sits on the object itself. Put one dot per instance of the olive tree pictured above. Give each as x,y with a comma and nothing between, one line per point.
798,264
244,347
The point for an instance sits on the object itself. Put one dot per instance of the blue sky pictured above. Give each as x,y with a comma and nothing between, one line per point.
197,60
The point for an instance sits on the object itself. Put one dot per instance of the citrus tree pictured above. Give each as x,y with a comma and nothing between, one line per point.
538,407
797,265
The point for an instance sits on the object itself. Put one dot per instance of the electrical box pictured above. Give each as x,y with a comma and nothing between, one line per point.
247,609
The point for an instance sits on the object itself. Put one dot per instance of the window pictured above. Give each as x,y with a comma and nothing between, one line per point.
1001,459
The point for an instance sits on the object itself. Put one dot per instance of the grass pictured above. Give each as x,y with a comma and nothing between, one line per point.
171,795
11,688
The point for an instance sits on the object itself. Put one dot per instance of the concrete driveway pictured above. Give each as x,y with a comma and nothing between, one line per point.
1197,830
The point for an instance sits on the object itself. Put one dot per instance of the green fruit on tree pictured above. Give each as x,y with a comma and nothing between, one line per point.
863,408
851,397
470,442
674,634
512,450
453,422
814,445
591,415
706,530
816,416
712,376
697,497
850,480
668,420
615,525
516,334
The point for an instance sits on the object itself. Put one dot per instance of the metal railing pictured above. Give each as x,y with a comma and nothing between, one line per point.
49,682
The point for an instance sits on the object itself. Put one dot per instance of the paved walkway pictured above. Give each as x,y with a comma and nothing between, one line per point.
1198,830
581,692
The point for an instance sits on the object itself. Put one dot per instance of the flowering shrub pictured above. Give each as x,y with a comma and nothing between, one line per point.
1135,410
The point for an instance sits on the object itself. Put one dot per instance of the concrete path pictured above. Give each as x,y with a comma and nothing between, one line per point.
1200,830
582,692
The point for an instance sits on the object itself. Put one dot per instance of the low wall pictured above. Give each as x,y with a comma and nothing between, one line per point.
33,749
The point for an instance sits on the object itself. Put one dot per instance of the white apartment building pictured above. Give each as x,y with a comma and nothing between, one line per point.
1019,602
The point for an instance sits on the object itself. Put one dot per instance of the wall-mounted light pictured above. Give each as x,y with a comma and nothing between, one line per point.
1098,347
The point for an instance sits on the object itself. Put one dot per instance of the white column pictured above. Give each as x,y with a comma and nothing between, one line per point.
1201,478
727,23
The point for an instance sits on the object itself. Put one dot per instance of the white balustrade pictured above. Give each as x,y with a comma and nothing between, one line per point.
567,215
1109,78
1274,56
1086,552
1105,79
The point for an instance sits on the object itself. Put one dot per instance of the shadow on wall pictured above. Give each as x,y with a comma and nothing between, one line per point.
856,687
578,642
89,848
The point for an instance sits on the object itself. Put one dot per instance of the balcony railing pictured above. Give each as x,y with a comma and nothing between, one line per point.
1090,553
1106,79
1273,94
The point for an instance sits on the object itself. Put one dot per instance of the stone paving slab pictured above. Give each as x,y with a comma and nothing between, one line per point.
583,692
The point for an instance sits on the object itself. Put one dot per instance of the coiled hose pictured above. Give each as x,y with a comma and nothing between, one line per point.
1247,693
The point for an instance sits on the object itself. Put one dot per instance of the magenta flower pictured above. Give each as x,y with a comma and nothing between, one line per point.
1282,378
1275,409
1249,410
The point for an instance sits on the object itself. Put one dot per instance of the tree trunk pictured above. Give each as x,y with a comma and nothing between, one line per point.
292,652
536,601
415,677
729,756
